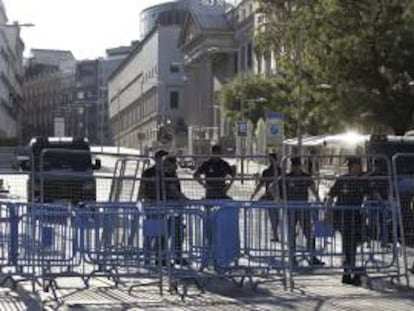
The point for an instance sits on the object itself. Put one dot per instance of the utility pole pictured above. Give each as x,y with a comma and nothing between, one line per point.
299,69
100,103
300,93
118,123
242,132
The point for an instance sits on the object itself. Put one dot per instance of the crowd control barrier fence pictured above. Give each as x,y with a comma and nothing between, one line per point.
174,226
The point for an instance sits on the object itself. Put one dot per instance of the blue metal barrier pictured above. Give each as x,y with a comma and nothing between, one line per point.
226,235
180,240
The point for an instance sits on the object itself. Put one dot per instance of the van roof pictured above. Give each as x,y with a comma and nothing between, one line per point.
59,141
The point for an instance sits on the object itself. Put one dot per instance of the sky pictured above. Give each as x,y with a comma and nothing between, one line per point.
85,27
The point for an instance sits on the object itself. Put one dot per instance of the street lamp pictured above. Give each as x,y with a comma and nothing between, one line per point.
17,25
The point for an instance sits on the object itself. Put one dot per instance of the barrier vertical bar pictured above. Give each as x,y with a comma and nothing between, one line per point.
399,214
14,234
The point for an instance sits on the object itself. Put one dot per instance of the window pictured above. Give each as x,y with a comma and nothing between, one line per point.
243,59
259,63
174,68
249,56
174,99
236,62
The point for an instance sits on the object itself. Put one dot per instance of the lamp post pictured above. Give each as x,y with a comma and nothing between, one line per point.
17,25
102,100
118,120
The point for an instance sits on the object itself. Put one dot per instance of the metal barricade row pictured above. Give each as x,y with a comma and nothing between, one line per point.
268,225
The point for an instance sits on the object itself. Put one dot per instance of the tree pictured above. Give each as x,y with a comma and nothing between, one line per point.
249,97
362,49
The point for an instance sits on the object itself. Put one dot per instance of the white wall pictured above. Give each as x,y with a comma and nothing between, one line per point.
132,79
139,91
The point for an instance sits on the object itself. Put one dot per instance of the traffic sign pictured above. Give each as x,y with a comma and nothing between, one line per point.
275,131
242,128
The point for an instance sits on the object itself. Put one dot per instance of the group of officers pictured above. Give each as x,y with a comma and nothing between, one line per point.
350,190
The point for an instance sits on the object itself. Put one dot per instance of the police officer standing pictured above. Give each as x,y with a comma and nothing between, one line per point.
160,183
215,171
150,185
269,180
173,193
350,191
298,184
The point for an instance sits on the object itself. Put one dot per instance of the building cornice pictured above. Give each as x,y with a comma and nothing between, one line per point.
133,53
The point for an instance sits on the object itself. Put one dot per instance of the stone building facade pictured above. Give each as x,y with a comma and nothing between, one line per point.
11,77
48,89
146,93
217,41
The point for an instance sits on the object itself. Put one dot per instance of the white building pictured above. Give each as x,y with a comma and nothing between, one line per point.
106,66
11,76
146,93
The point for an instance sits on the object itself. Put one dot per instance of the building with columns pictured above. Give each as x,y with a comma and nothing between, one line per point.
217,43
11,77
169,84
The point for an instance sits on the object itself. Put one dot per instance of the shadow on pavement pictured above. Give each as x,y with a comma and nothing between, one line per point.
18,299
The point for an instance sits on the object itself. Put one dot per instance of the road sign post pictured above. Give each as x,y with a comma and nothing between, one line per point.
242,128
275,134
59,127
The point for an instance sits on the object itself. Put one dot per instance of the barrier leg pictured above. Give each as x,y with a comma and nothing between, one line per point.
14,234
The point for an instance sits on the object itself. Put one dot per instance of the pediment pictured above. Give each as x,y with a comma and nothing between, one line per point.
189,31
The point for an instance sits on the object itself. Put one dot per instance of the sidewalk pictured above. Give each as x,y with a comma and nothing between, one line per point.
311,293
18,299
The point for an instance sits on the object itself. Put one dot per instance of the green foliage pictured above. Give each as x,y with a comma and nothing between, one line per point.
249,97
363,49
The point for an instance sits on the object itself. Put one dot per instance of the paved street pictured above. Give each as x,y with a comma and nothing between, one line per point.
311,293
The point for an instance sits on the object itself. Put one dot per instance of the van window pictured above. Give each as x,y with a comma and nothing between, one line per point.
405,165
60,159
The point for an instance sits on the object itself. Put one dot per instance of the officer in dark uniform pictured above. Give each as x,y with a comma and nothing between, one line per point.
380,220
215,171
150,178
173,193
267,179
298,184
151,194
350,190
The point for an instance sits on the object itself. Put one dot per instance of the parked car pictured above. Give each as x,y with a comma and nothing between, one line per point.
60,169
187,163
21,155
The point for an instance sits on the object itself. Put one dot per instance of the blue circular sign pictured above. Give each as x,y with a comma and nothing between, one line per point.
274,129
